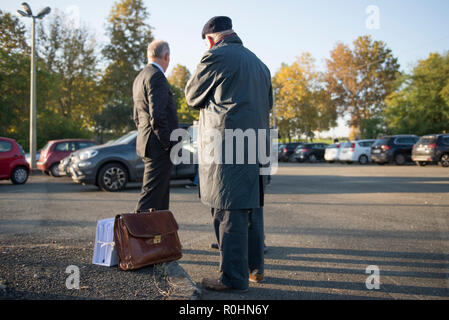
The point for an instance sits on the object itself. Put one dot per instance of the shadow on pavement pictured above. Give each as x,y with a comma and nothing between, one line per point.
288,260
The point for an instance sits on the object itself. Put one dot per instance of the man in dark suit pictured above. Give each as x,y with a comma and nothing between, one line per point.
155,117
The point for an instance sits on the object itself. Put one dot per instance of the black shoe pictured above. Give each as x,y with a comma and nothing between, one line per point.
191,186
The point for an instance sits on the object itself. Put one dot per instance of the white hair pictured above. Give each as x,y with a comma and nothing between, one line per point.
218,35
157,49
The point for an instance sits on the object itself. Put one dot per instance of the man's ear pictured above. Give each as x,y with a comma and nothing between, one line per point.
210,41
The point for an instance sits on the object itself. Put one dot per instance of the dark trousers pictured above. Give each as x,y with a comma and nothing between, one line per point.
240,236
156,183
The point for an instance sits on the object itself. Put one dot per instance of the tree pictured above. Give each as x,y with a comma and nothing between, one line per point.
179,76
129,36
302,103
421,103
178,79
14,76
69,55
359,80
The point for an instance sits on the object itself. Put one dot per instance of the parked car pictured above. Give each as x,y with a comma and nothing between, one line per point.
28,157
311,152
111,166
397,149
356,151
432,149
64,165
287,151
332,152
13,165
56,150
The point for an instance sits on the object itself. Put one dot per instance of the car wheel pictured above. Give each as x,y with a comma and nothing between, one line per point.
444,161
399,159
312,158
363,159
292,159
19,175
112,177
54,170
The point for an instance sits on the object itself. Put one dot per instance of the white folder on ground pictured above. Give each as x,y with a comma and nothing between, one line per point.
104,247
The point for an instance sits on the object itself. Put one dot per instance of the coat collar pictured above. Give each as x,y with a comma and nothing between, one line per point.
232,38
157,65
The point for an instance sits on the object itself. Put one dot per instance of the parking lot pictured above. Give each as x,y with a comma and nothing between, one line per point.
325,225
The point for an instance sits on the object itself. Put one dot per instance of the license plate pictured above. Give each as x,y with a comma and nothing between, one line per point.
376,151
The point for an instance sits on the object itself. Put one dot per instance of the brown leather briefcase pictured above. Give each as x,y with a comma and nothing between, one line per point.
144,239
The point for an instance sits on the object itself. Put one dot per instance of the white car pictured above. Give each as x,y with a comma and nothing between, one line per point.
356,151
332,152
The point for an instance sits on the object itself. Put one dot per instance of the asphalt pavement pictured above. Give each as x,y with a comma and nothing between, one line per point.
333,231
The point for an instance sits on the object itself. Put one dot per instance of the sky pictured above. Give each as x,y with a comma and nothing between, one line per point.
279,31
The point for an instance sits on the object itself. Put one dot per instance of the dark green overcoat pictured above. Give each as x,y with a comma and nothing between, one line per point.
232,89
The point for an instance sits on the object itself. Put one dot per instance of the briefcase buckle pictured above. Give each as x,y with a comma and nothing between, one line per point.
157,239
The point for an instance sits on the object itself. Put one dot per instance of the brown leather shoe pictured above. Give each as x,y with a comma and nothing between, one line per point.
217,285
256,278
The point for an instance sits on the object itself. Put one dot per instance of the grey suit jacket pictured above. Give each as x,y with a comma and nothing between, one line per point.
154,112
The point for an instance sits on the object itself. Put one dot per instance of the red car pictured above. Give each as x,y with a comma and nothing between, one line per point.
13,165
56,150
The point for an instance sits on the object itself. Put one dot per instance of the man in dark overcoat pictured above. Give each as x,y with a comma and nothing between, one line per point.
232,89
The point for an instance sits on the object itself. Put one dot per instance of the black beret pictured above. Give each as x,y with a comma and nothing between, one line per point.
216,24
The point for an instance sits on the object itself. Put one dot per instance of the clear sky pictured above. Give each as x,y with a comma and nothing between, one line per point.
279,31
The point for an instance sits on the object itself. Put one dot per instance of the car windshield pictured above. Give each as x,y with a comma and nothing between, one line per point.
346,145
127,138
47,146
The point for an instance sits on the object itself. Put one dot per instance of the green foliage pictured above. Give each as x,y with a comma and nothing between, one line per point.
421,104
70,59
14,78
111,122
178,79
129,36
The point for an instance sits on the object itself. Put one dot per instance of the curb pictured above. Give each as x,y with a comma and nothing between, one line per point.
184,287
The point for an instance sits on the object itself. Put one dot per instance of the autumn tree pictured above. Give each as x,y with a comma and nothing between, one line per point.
421,104
129,35
359,80
302,103
178,79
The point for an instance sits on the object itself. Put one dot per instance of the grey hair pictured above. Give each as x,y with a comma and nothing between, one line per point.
157,49
217,35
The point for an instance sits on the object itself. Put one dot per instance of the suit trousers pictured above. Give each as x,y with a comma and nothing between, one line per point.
240,236
156,183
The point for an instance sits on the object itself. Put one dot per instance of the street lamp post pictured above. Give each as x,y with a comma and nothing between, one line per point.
29,14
